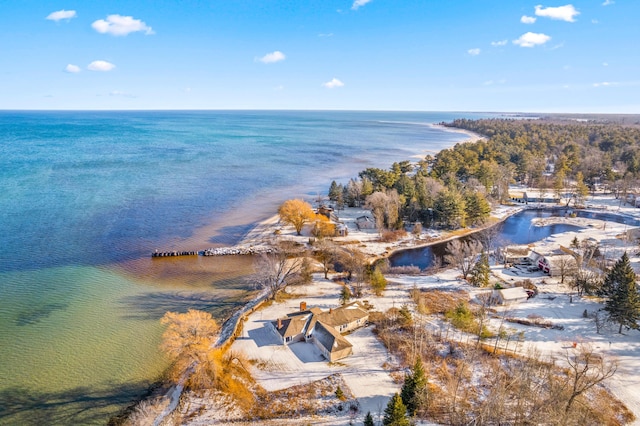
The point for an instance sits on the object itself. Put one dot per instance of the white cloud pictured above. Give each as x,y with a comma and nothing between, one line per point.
279,88
528,19
325,35
473,52
100,66
272,57
70,68
119,25
499,43
605,84
61,14
121,94
561,13
604,64
359,3
531,39
608,2
333,84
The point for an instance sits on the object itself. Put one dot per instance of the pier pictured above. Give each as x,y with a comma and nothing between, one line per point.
218,251
173,253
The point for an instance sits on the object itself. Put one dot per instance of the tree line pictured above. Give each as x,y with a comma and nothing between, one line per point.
455,187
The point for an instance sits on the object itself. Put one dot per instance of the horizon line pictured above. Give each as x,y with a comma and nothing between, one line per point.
309,110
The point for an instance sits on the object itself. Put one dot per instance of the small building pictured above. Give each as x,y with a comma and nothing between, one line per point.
322,328
633,199
332,227
329,213
507,296
516,254
341,230
365,222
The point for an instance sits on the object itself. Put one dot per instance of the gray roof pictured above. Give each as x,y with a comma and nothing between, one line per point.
329,338
343,315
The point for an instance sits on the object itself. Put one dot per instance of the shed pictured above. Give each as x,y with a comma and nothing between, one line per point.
365,222
506,296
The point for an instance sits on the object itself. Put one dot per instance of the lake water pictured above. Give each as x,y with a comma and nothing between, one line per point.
85,197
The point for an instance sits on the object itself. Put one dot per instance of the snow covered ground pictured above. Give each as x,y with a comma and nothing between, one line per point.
367,371
276,366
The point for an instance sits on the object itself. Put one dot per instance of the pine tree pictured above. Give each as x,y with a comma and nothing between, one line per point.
368,419
480,272
345,295
333,191
378,282
623,305
396,413
477,208
414,389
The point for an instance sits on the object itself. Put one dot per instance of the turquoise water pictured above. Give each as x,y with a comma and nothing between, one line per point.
84,193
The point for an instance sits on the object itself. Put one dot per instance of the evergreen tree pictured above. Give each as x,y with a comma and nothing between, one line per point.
368,419
449,208
334,189
378,282
340,198
340,394
405,315
623,305
396,413
414,389
345,295
480,272
477,208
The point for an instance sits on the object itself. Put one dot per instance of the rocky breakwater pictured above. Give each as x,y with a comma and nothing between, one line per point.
173,253
239,250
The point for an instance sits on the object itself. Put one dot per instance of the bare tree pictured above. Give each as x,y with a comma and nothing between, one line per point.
275,271
566,265
325,252
462,255
376,202
586,369
489,237
354,262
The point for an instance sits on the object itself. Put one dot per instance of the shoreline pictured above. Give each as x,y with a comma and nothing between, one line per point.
450,275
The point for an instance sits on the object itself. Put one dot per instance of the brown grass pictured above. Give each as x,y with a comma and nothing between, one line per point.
392,236
438,301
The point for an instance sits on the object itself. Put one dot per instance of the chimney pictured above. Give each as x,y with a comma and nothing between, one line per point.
279,323
303,306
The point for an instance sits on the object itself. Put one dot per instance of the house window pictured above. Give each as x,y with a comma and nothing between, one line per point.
288,339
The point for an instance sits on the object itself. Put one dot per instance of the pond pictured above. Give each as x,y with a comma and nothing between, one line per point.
516,229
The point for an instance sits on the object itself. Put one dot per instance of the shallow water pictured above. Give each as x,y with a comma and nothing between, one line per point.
85,197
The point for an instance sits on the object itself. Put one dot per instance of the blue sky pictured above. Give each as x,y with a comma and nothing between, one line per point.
465,55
